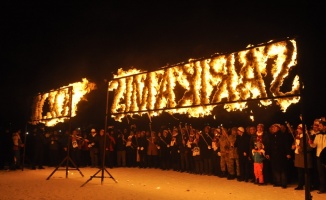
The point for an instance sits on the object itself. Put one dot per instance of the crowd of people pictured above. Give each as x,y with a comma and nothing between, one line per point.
278,155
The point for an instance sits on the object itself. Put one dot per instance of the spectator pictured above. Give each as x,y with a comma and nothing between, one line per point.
320,143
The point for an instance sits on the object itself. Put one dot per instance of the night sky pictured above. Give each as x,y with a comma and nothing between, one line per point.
50,45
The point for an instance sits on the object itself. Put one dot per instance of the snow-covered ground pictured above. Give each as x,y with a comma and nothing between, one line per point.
133,183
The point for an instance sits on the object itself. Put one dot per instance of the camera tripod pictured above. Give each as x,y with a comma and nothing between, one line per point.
67,159
102,169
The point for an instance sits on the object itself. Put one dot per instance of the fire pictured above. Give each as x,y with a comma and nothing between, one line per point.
62,103
228,79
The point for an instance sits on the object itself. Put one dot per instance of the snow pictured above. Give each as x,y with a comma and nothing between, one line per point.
133,183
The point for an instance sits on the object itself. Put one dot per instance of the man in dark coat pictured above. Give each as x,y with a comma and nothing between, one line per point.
38,144
93,144
299,152
243,148
278,152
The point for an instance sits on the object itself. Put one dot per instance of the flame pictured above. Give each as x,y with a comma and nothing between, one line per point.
60,101
229,79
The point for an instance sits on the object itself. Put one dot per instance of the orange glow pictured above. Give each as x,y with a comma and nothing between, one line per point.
231,78
59,103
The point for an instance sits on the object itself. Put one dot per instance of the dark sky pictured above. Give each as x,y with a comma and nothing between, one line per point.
50,45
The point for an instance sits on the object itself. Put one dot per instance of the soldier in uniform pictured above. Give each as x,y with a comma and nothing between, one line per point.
224,145
233,166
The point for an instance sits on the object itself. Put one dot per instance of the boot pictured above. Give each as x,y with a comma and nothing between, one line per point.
223,174
231,177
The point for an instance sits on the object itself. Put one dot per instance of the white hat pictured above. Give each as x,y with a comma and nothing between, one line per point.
175,133
277,125
300,126
241,129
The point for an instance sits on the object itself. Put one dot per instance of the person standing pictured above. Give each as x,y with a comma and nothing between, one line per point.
224,145
104,145
262,137
112,155
17,145
54,149
174,151
252,131
299,157
85,151
314,173
278,151
38,144
75,147
233,167
164,145
152,151
93,144
184,157
190,153
130,150
196,153
216,158
258,155
121,148
206,150
243,148
320,144
142,149
289,137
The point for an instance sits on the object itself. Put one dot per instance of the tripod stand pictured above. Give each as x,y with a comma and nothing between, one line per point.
67,159
102,169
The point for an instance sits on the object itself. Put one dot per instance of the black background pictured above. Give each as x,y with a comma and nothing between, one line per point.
48,45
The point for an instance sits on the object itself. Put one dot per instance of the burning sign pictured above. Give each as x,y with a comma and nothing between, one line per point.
228,79
61,103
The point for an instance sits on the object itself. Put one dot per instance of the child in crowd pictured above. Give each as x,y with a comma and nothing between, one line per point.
258,155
